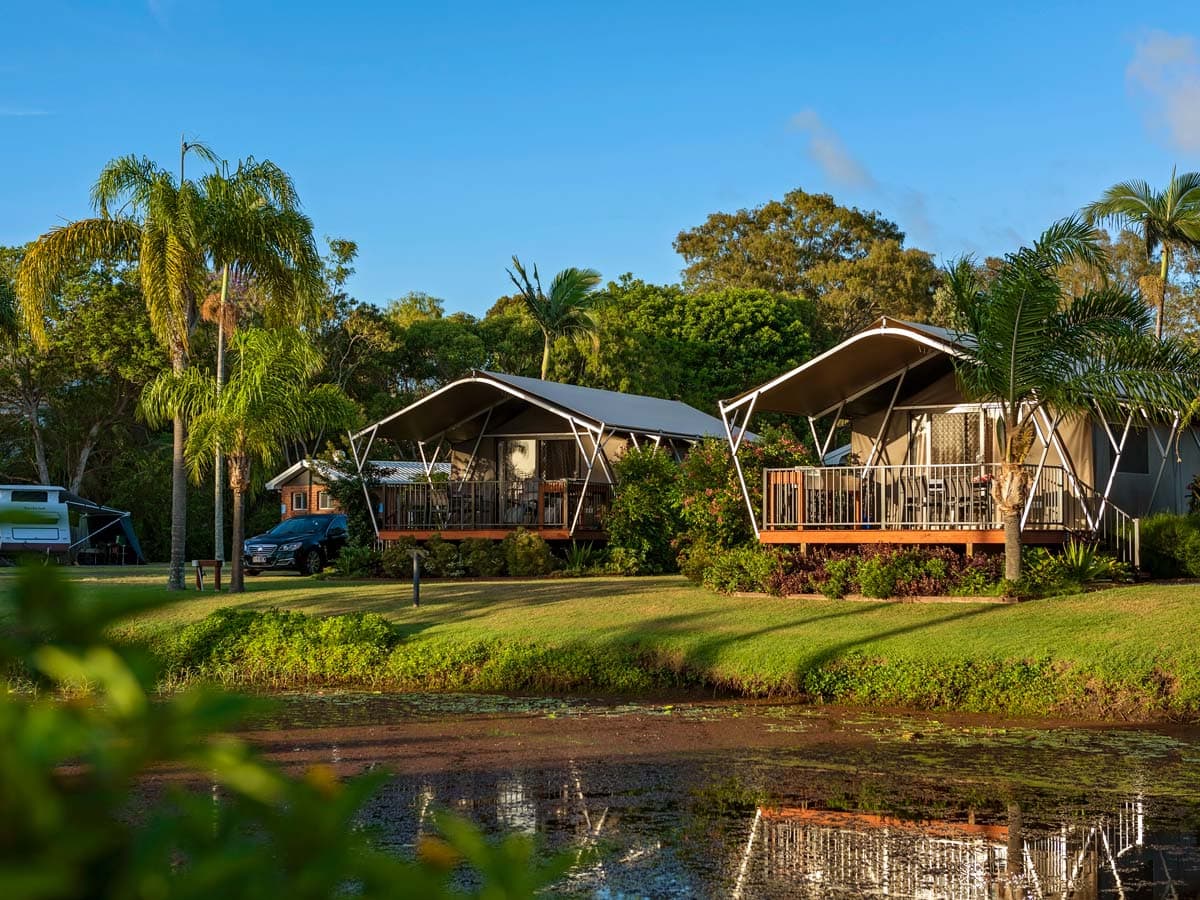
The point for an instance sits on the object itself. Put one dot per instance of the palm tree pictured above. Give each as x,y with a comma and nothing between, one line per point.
1168,219
258,199
266,400
175,233
565,311
1029,347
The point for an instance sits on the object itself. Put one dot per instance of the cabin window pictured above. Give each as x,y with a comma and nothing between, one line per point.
1135,458
299,500
30,496
324,500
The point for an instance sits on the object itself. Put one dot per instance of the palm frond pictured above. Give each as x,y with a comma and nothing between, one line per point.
63,250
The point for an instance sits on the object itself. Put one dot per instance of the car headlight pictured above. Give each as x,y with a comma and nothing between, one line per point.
294,545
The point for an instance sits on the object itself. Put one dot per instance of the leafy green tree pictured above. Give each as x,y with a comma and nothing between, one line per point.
643,520
1038,348
851,262
415,306
565,311
696,347
512,339
80,385
177,235
1168,220
267,399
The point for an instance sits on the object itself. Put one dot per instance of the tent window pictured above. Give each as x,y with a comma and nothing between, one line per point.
29,496
560,459
951,438
1135,458
518,459
299,500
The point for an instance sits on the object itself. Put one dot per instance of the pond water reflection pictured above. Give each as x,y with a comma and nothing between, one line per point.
747,800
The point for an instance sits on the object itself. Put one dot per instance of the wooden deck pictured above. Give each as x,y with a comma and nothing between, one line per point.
491,534
950,537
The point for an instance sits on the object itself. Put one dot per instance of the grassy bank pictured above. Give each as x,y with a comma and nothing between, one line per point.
1129,652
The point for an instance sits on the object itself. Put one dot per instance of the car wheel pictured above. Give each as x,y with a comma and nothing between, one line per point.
312,564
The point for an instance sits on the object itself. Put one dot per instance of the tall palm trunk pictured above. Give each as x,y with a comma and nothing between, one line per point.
1164,270
178,489
239,482
545,354
218,468
1009,492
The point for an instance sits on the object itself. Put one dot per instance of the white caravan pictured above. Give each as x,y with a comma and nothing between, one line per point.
34,518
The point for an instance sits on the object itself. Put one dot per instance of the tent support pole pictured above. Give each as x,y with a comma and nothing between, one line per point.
358,464
1164,452
887,422
1037,477
1068,463
597,444
726,416
475,449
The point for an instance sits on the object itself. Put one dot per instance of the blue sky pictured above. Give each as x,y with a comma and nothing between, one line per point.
444,138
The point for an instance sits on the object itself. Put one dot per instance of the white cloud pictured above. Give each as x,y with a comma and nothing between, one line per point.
1165,69
16,112
826,149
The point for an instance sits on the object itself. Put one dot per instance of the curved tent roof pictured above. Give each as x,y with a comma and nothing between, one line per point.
448,409
858,365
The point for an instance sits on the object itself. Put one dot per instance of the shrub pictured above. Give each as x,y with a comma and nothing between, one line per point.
1170,545
482,558
885,571
442,558
694,558
746,568
711,502
358,561
838,578
876,577
643,520
526,553
582,559
395,560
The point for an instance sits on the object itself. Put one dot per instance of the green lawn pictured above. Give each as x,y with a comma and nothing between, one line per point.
1139,637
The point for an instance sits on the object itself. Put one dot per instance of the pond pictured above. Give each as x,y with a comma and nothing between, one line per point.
737,799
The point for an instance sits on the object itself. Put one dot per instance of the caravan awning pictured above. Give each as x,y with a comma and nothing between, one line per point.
855,367
447,411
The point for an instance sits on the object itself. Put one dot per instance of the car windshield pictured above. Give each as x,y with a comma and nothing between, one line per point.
298,526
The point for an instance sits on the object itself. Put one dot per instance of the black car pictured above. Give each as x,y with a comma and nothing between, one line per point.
304,543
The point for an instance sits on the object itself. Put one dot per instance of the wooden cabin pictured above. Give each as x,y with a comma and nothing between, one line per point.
521,452
304,486
922,458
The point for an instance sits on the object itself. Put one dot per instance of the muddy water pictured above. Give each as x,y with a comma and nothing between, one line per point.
695,799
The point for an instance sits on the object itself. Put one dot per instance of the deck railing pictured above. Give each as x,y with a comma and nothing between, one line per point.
932,497
492,505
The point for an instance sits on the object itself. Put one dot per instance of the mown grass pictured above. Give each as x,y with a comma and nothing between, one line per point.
1125,652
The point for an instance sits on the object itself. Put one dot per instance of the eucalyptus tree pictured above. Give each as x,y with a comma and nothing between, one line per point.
566,311
1168,220
1032,347
176,230
266,401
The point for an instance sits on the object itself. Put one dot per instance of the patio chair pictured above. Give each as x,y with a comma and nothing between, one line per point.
914,499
